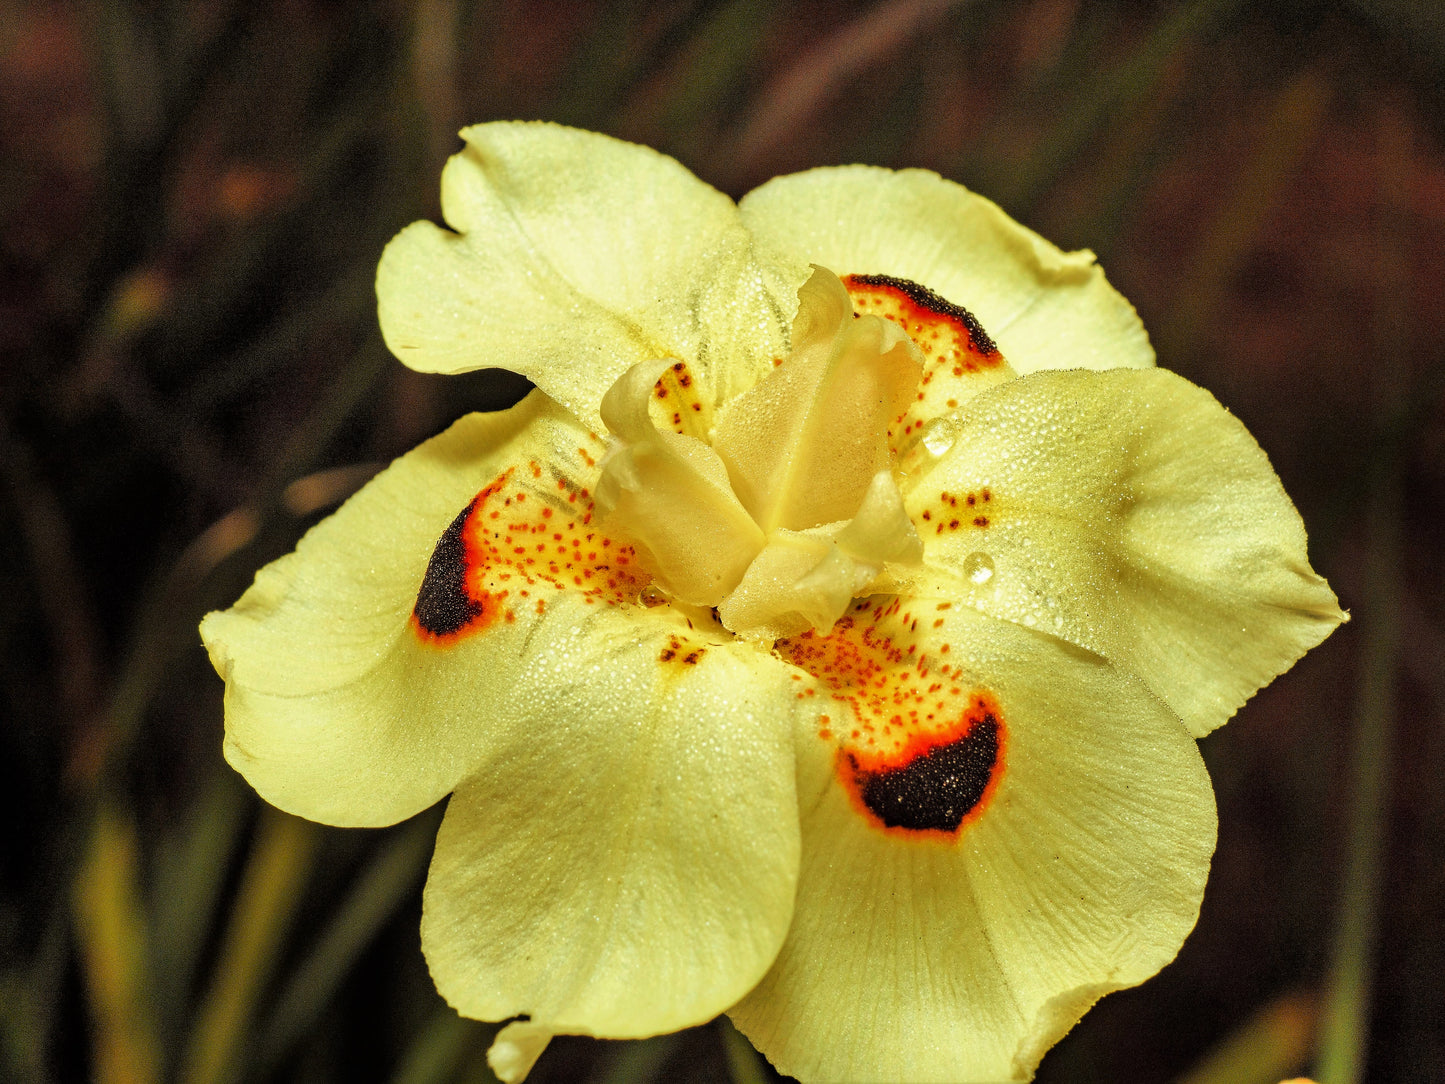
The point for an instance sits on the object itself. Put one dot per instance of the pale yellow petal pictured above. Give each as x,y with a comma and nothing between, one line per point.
668,494
1084,828
362,670
803,445
623,863
798,581
881,532
1046,309
576,256
620,853
1129,513
516,1049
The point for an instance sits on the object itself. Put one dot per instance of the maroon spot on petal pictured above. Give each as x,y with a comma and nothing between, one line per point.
932,303
681,651
447,605
443,605
935,783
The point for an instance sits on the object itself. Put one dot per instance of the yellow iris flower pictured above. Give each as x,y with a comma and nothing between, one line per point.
823,642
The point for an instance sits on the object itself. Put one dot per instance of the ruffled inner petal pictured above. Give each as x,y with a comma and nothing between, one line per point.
880,532
799,581
669,495
803,445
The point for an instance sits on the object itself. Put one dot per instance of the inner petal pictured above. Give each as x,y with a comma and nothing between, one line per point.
670,495
803,444
793,509
800,580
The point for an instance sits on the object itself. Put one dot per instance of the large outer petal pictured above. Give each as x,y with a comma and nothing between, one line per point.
1131,514
334,710
1046,308
965,959
621,853
622,864
577,256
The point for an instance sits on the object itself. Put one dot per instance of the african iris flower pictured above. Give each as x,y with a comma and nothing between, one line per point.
823,641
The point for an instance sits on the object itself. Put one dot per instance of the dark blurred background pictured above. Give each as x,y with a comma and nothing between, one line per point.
193,197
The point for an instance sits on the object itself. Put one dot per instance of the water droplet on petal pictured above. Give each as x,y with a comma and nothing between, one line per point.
651,595
938,436
978,567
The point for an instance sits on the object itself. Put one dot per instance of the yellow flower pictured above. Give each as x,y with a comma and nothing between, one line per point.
824,640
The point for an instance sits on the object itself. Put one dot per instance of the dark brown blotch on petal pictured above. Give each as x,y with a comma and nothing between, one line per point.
443,605
937,788
937,781
931,303
527,535
447,604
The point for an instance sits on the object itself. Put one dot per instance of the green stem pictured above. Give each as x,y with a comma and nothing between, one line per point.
1345,1030
274,877
110,926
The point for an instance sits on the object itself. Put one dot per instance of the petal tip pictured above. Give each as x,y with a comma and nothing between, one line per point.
516,1049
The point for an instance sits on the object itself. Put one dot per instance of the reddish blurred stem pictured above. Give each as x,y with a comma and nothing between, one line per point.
794,96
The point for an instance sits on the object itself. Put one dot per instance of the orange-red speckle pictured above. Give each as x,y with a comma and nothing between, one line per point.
504,543
682,651
686,411
925,756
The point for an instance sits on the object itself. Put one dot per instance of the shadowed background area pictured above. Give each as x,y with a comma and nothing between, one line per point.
193,197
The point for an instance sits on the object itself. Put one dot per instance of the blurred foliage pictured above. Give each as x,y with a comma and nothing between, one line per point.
193,197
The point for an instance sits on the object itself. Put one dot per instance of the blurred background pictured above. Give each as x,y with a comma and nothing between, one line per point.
193,197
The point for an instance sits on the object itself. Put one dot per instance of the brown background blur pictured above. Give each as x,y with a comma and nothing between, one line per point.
193,197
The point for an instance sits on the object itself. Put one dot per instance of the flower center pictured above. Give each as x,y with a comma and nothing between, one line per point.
790,508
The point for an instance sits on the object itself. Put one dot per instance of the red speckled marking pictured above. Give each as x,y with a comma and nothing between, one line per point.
959,359
948,512
677,403
926,750
681,651
528,534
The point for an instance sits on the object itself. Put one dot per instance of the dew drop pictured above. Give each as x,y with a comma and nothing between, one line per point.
651,595
938,437
978,567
